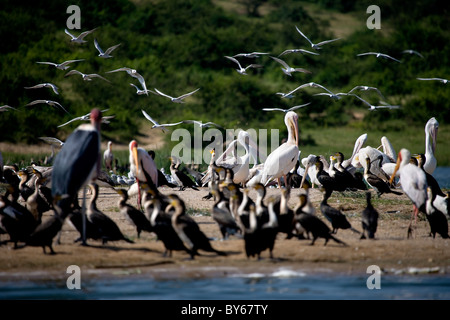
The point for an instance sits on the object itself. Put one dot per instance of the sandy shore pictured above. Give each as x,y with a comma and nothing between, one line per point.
391,250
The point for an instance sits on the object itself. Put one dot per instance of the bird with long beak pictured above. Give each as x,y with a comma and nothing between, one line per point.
141,161
283,158
413,182
431,130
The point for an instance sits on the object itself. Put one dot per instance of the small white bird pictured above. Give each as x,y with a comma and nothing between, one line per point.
86,77
287,110
372,107
412,52
80,38
49,102
316,46
52,141
155,124
105,54
288,69
87,117
134,74
297,51
444,81
177,99
378,55
140,91
243,70
45,85
250,55
6,108
62,66
367,88
203,125
335,96
108,157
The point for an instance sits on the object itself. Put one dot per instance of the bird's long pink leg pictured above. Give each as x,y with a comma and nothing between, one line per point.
139,194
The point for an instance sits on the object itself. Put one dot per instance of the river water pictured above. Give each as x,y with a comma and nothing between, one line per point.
282,284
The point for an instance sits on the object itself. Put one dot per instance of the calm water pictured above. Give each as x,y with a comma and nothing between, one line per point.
442,175
284,284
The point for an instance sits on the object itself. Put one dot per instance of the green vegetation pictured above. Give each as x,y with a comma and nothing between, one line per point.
179,46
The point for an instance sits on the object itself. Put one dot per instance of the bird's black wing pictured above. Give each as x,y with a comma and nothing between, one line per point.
74,162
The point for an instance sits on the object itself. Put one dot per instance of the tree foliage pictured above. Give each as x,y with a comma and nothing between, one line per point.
179,46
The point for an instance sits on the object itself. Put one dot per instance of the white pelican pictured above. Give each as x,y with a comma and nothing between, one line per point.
80,38
288,69
316,46
283,158
105,54
177,99
431,130
141,161
378,55
413,182
239,165
63,65
108,157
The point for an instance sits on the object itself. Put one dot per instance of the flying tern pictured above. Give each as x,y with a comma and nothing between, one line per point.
105,54
316,46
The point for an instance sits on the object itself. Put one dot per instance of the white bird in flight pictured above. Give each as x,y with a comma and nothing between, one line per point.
372,107
45,85
49,102
287,110
105,54
177,99
296,51
87,117
139,91
250,55
86,77
316,46
288,69
155,124
52,141
134,74
62,66
378,55
413,52
6,108
444,81
243,70
367,88
80,38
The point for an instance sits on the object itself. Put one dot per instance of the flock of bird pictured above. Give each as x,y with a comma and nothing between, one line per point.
229,179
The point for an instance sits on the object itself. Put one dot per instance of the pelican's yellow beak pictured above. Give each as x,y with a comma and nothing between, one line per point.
135,157
397,165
